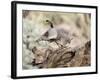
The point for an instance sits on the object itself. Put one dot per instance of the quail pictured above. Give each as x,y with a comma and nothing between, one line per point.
59,36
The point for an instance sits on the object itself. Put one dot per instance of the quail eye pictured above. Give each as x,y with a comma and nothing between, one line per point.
47,20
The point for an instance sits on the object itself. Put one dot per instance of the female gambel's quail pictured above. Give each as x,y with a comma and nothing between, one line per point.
60,36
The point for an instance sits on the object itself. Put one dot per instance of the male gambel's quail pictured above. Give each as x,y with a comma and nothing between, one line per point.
59,36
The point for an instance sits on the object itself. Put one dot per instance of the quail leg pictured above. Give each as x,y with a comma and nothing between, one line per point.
59,45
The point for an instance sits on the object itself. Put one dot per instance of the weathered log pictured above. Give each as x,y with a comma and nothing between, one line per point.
67,57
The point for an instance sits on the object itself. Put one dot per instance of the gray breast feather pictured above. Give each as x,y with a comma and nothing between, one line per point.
64,36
